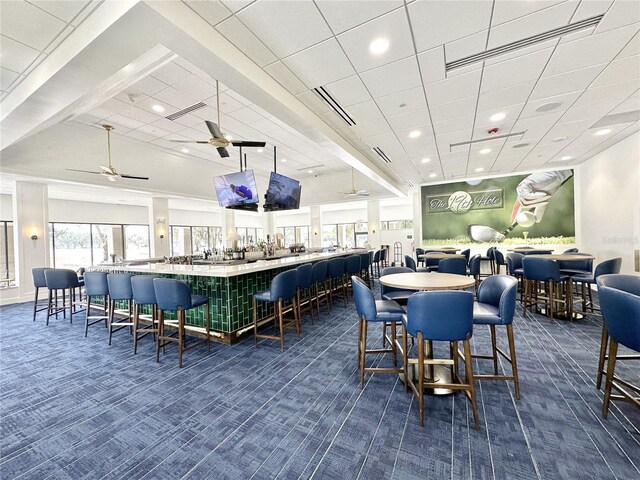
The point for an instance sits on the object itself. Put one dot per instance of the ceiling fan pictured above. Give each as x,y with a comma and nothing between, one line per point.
218,139
354,192
110,171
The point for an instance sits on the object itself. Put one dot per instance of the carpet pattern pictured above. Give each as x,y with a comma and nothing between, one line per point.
74,408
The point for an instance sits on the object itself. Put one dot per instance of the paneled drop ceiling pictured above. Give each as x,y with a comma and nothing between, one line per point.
560,92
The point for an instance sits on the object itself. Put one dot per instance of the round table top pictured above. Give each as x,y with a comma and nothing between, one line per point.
565,257
442,249
440,255
528,249
427,281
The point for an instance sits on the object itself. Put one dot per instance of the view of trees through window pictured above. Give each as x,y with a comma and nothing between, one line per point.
345,234
295,235
7,259
194,240
396,224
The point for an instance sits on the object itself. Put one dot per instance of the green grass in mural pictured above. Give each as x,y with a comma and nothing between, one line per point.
464,241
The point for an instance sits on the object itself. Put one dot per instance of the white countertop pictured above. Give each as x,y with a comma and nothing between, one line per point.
226,270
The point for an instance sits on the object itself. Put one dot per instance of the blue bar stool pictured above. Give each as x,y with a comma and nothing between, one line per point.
144,293
120,291
375,264
440,316
474,269
409,262
392,293
175,296
304,290
38,282
545,271
365,261
586,280
351,267
335,275
284,287
319,284
96,285
371,310
457,266
61,279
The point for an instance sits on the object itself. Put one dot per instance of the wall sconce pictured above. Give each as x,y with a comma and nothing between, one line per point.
34,233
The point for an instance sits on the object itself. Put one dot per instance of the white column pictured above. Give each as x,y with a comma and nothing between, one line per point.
31,219
268,224
316,226
159,227
373,222
228,221
417,218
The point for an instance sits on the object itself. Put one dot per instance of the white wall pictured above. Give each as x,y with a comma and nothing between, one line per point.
282,219
608,203
344,216
190,217
6,207
93,212
248,219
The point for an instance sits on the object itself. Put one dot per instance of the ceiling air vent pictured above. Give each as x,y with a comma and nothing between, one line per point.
454,146
382,155
409,184
335,106
184,111
525,42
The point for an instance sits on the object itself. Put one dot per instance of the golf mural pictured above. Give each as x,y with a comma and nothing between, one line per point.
536,208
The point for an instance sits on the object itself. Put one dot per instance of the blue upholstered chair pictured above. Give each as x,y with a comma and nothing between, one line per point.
144,294
627,283
304,290
571,250
365,261
409,262
538,251
514,268
466,254
420,261
380,311
375,264
586,280
95,285
621,314
391,293
431,264
546,272
351,267
456,265
120,291
498,261
474,269
39,282
496,305
576,267
489,257
336,278
62,279
283,289
319,284
384,257
175,296
440,316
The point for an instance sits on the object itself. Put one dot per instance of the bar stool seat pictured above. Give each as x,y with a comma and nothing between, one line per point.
61,279
120,291
96,285
39,281
144,294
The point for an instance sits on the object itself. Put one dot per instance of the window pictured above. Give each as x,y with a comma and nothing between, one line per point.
249,235
136,242
396,224
329,235
295,235
105,241
71,245
345,234
199,239
180,240
194,240
7,259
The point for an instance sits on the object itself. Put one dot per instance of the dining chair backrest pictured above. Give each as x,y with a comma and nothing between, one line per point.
120,286
95,283
389,271
409,262
535,251
364,261
608,267
383,254
490,253
441,315
498,257
585,265
474,264
455,265
500,291
284,285
466,254
319,271
172,294
59,278
304,273
376,256
352,264
335,268
621,313
144,293
364,299
571,250
514,261
39,280
540,269
625,282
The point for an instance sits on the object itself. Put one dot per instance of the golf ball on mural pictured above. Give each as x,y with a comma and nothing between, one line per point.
526,219
460,202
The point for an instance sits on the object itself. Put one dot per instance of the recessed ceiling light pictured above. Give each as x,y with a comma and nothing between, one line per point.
484,151
566,157
310,171
547,107
433,175
415,133
606,131
283,160
496,117
479,169
185,150
379,46
259,150
426,160
158,108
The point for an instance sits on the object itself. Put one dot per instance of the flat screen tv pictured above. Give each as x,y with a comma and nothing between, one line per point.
283,193
236,189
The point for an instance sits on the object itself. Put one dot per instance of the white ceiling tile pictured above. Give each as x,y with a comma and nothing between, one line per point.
515,71
37,32
566,82
16,56
212,11
460,126
464,70
7,77
459,108
630,104
149,86
349,91
466,46
566,100
621,13
521,52
246,115
139,114
585,32
591,8
286,27
228,104
123,123
412,99
365,111
311,100
619,71
65,10
409,120
155,131
368,129
238,34
108,108
345,14
170,73
597,102
452,89
137,134
632,48
588,51
321,64
511,112
432,65
131,96
393,26
62,36
505,97
436,23
507,10
172,97
190,120
168,125
285,77
194,87
235,5
392,78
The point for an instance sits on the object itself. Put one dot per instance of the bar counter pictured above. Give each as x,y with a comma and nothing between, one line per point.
229,287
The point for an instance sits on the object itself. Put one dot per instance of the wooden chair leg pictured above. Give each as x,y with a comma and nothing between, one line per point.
360,320
180,336
405,359
136,318
611,366
603,353
112,308
363,353
207,326
35,304
281,324
494,348
514,363
160,334
470,381
421,378
86,317
393,344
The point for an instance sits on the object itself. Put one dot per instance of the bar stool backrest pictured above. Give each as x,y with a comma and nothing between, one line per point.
453,265
364,299
466,254
514,260
500,291
621,312
95,283
39,280
120,286
144,293
335,268
626,283
571,250
541,269
59,278
498,257
364,261
409,262
474,264
441,315
609,267
534,251
173,294
304,275
284,285
352,264
319,271
389,271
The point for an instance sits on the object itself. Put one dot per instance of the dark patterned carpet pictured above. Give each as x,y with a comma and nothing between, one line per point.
73,407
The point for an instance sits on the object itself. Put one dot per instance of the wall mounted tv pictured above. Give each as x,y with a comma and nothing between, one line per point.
283,193
237,190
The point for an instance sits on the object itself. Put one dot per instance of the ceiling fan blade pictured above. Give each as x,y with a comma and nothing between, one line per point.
124,175
83,171
223,152
214,129
248,143
189,141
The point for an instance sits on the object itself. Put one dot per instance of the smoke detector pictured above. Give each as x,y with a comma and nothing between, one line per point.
492,131
132,97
